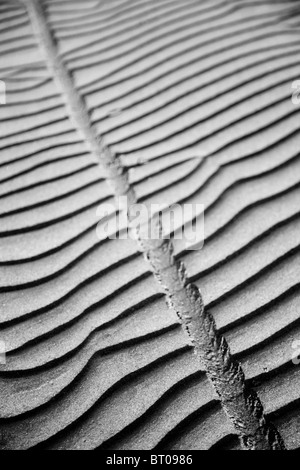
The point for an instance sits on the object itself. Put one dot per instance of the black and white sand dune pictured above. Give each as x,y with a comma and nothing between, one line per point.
193,101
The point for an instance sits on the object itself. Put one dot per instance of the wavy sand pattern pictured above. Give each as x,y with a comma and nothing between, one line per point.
193,100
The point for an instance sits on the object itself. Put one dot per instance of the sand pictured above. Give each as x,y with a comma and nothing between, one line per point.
196,97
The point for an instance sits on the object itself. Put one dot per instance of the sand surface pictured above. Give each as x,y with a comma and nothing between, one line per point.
196,97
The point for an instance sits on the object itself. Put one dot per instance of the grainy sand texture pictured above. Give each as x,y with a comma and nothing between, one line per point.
116,343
